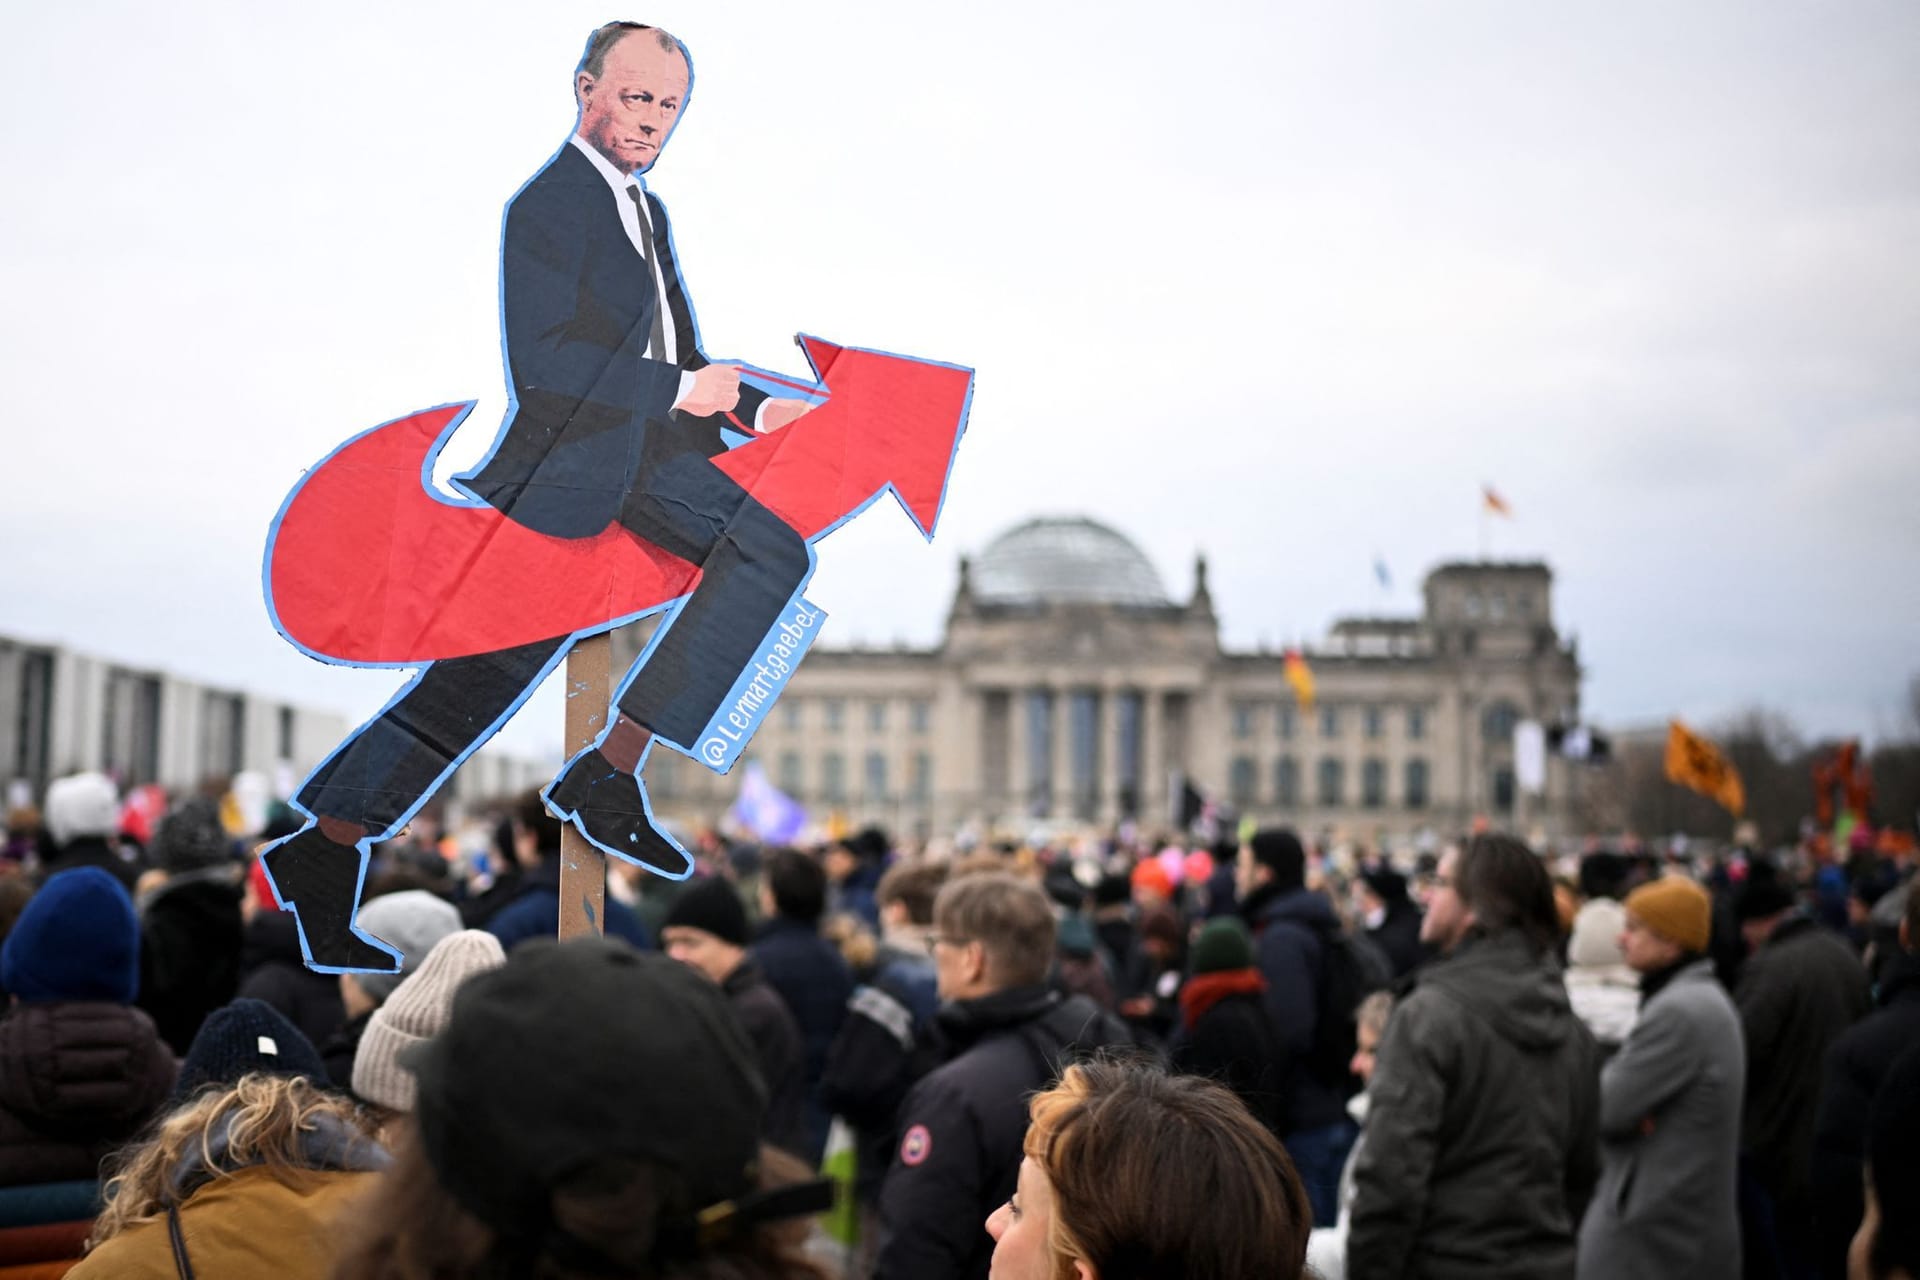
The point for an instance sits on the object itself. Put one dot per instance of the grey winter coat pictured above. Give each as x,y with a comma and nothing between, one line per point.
1670,1140
1481,1147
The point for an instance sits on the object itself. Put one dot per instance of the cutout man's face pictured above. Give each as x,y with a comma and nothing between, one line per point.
627,112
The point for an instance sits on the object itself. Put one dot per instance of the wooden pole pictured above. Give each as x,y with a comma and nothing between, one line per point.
583,868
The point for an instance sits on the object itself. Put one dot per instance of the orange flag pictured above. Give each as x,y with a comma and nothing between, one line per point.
1695,763
1494,502
1300,677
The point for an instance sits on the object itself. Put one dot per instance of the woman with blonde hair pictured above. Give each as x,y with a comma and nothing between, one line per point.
252,1179
1133,1174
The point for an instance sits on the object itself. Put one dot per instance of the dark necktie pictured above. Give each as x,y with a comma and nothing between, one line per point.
657,340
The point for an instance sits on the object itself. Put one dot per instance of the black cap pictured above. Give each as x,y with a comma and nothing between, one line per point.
579,1051
713,905
1387,884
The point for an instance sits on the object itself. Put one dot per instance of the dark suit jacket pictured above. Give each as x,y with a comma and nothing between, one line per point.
577,308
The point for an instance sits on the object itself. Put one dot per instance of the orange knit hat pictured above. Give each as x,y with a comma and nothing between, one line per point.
1677,909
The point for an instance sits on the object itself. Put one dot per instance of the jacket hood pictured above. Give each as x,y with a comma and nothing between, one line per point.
72,1069
1520,994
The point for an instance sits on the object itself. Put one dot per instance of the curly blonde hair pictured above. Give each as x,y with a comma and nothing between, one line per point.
265,1117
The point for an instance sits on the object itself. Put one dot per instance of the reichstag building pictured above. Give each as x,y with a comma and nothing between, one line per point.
1071,686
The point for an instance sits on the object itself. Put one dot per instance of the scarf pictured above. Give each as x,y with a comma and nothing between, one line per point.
1205,990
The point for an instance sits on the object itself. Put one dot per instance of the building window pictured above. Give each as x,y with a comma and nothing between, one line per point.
1523,604
1503,790
1500,719
1284,713
876,715
1329,721
833,777
1331,782
790,713
1084,720
223,734
1240,782
1497,607
836,714
1473,604
1416,723
1373,783
922,777
1243,719
876,775
285,734
920,715
1286,782
1372,720
1040,750
1416,784
791,779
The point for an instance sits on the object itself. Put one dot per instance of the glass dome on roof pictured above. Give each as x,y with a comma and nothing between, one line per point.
1069,559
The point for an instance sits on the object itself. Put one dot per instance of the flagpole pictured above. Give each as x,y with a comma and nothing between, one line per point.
1484,555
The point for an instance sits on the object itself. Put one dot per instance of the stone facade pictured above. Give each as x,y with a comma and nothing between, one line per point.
1068,688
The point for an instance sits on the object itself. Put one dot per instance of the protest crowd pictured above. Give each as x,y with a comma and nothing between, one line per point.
1255,1055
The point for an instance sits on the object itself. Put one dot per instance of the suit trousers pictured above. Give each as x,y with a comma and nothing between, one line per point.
752,565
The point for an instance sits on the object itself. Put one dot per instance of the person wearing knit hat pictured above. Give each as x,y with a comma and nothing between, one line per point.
1152,886
1670,1103
247,1037
1675,908
1225,1029
191,933
1604,991
82,819
81,1070
706,929
415,1012
77,939
412,920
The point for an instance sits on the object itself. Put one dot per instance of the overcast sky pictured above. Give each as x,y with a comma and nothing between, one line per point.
1285,284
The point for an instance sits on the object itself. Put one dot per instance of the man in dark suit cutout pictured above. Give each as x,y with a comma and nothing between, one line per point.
616,417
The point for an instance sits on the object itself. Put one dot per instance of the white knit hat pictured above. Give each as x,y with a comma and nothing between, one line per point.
84,804
1596,935
416,1011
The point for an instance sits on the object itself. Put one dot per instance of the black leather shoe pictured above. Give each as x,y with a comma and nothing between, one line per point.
609,807
319,881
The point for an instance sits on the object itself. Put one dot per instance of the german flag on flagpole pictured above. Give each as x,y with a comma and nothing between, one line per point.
1695,763
1300,677
1494,503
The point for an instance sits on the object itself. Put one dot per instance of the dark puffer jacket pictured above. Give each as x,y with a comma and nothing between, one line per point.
1483,1125
77,1080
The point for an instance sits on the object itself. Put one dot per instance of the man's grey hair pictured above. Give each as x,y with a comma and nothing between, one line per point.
612,34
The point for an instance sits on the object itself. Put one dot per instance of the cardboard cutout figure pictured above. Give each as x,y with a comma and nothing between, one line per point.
611,492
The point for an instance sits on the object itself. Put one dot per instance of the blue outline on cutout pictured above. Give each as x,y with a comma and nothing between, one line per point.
816,393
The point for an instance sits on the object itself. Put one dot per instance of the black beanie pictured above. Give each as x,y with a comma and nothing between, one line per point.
247,1037
711,905
1279,850
191,837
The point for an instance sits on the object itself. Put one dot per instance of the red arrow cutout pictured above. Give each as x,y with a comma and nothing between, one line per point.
367,565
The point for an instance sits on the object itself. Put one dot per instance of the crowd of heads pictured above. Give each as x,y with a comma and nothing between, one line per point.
591,1109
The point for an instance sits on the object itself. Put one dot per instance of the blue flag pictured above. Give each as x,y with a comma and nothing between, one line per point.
770,813
1380,572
